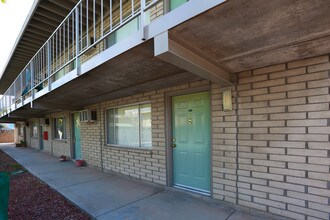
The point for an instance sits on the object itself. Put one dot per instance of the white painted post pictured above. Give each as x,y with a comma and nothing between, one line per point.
142,19
77,40
32,82
48,66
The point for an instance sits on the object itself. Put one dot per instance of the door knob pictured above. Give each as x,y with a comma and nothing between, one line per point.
173,145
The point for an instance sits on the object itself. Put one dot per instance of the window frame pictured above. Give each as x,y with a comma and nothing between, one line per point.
127,146
64,135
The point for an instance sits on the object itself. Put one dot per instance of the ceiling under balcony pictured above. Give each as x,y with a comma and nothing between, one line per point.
247,34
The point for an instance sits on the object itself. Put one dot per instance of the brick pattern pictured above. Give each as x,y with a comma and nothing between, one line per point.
6,136
224,147
60,147
48,143
51,146
283,139
92,135
271,152
32,142
145,164
156,11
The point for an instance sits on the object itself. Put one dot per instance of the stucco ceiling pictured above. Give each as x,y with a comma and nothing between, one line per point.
247,34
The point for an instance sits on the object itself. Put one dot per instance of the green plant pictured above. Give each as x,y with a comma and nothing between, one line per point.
16,166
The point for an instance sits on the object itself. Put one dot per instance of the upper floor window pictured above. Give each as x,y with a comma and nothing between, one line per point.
129,126
176,3
59,128
123,32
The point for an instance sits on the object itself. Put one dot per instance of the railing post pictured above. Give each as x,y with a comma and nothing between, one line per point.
77,40
21,95
166,7
48,66
4,102
142,19
15,94
32,82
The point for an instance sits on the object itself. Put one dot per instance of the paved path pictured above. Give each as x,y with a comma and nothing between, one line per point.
108,196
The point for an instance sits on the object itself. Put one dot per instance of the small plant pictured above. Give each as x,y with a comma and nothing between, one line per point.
21,144
62,158
80,163
16,166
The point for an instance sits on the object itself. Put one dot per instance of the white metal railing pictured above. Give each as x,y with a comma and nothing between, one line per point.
87,26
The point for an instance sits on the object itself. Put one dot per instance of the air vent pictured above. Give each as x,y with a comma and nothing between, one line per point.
87,115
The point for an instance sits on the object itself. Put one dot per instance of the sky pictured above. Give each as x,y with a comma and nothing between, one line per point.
12,16
9,126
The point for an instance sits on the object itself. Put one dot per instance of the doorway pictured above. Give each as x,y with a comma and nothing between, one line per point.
41,138
76,136
191,158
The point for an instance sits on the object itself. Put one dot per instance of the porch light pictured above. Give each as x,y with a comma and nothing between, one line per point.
226,99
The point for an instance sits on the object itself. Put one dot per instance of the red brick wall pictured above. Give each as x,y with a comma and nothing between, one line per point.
7,136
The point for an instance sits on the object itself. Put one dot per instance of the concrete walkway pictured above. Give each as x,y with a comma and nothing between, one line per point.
109,196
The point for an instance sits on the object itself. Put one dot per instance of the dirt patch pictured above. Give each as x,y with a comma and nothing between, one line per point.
30,198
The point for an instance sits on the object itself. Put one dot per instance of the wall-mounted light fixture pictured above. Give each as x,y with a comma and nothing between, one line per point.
226,100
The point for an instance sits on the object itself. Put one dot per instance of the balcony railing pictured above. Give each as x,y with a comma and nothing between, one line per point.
91,27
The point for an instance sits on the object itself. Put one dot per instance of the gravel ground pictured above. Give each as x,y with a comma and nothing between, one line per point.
30,198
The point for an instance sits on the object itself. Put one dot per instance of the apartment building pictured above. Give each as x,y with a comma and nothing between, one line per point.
229,99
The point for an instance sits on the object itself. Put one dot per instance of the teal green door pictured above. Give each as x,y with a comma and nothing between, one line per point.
176,3
76,133
191,141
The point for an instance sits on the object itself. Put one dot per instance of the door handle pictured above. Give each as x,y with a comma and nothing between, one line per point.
173,145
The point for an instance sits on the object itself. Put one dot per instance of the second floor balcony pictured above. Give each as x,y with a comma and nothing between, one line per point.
96,32
105,49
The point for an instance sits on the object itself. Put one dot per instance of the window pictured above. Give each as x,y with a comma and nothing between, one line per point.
122,33
34,128
129,126
66,69
59,128
176,3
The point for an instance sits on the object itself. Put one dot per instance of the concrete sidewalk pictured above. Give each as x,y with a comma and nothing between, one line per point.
109,196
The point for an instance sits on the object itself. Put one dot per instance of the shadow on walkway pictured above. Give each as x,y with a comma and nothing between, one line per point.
109,196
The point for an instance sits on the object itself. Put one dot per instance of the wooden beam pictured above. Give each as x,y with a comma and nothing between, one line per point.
49,6
35,36
49,14
45,20
42,26
68,5
28,41
39,31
